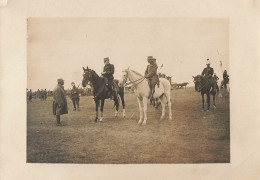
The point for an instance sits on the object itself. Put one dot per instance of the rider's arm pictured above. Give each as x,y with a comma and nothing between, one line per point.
110,70
153,72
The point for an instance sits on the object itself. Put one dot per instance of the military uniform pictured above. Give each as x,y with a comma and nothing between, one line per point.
216,80
208,73
30,95
225,79
59,101
216,77
109,72
151,74
74,95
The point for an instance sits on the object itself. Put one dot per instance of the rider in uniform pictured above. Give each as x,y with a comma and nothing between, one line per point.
216,79
225,79
108,72
208,73
74,95
151,75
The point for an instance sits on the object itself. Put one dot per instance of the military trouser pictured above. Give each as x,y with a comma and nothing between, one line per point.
110,85
152,88
75,101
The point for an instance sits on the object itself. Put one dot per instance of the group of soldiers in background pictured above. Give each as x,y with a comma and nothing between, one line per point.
41,94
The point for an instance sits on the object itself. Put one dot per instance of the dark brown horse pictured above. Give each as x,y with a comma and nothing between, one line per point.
203,85
101,91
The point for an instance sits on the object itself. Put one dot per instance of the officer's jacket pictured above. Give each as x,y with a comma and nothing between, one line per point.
109,70
74,92
208,72
225,76
151,73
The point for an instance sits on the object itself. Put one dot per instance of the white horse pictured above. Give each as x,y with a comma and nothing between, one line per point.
142,91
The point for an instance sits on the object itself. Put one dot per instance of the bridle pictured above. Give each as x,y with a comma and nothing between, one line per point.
200,84
87,76
133,82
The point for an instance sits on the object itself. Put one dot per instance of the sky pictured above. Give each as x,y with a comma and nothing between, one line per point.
60,47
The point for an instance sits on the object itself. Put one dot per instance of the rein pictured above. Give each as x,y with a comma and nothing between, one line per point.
142,78
203,85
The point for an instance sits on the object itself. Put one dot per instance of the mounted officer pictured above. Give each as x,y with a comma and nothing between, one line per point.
225,79
74,95
151,75
208,73
108,72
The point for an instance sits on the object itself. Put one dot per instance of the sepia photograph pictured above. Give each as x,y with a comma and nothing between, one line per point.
128,90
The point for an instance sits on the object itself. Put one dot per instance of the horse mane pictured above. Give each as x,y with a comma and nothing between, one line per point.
136,72
94,73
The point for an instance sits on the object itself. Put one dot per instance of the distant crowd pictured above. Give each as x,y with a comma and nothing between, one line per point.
43,94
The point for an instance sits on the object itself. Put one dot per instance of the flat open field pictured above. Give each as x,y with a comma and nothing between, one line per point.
191,137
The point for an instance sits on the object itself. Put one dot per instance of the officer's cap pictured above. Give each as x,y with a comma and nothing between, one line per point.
106,59
60,80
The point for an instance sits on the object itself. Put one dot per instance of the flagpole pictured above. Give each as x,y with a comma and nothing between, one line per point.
220,63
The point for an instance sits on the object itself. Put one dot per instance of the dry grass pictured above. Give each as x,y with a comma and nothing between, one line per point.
191,137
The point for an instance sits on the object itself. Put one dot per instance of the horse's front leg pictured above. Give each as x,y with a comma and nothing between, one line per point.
97,104
214,105
123,104
208,101
202,96
168,96
117,105
101,109
145,109
139,99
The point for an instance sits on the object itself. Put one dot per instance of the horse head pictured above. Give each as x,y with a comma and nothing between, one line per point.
87,76
124,77
197,82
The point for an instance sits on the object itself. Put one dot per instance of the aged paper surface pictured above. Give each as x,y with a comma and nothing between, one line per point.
244,100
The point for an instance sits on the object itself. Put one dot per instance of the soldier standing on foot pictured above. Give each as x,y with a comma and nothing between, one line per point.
59,101
74,95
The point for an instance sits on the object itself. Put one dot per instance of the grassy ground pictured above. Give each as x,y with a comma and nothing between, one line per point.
191,137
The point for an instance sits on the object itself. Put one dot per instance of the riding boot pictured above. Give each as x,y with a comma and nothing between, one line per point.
58,119
151,94
111,92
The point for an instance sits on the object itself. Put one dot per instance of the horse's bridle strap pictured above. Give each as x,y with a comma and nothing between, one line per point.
142,78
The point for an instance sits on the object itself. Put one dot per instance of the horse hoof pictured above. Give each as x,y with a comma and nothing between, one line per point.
170,118
214,107
202,110
101,119
161,118
144,123
207,109
139,122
